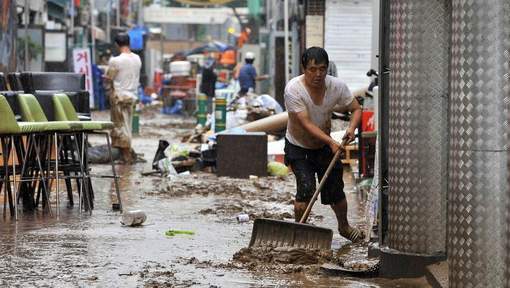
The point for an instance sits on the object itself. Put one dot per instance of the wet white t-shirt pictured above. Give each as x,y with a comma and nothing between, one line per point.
297,99
128,67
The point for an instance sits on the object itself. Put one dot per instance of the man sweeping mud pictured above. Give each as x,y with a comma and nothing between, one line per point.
310,100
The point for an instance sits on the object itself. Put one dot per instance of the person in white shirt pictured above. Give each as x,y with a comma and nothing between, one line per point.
310,100
124,72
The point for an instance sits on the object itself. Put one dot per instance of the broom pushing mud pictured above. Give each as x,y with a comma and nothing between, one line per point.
277,233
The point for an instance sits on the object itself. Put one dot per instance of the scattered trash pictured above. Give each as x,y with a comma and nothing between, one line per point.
166,168
270,103
243,218
365,183
208,155
368,268
183,165
133,218
160,153
253,177
99,154
171,232
176,150
277,169
175,109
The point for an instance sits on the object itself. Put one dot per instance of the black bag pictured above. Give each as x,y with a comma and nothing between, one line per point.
160,153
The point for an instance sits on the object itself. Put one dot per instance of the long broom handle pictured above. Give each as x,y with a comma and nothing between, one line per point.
323,182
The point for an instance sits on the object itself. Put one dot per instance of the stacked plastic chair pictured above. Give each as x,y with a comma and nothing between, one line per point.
64,111
78,131
10,133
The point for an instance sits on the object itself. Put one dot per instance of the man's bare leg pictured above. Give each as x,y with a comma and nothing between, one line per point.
299,209
127,155
340,210
344,228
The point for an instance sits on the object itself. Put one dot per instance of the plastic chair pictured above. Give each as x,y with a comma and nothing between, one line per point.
10,134
31,111
64,111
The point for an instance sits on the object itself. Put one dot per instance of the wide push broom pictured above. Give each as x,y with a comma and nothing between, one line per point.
277,233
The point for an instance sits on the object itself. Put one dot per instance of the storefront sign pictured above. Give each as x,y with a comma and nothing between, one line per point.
83,65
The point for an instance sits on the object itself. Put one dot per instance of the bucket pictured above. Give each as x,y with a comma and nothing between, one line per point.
220,114
135,124
202,109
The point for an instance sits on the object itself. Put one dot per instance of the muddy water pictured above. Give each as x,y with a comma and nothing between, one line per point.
81,250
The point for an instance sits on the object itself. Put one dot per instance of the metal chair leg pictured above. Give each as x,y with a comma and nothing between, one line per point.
43,178
8,191
57,152
84,174
14,179
115,178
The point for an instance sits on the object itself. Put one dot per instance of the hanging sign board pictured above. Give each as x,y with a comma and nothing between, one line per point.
83,64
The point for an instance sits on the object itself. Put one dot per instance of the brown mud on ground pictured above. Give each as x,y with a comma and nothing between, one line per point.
290,259
81,250
282,259
265,197
160,276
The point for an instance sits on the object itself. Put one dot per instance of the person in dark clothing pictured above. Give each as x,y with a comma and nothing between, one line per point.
208,84
248,74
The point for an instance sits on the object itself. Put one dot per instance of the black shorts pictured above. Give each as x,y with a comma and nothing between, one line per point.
305,163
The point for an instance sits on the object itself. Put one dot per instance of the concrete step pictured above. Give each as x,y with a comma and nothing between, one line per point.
437,274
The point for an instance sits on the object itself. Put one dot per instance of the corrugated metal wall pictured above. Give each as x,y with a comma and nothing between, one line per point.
472,43
347,38
419,56
478,194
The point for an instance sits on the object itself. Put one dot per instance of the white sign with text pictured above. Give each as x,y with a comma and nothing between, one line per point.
83,64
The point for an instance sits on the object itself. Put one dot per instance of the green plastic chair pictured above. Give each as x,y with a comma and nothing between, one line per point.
64,111
32,111
9,130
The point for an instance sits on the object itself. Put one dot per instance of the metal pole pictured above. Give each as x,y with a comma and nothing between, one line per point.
162,44
108,20
71,25
117,15
92,36
140,13
286,35
27,20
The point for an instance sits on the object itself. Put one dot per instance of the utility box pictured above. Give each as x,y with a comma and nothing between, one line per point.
241,155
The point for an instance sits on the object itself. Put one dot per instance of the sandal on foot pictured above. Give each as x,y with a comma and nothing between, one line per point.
353,234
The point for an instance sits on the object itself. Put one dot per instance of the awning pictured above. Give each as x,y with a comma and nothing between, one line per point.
204,2
56,9
189,15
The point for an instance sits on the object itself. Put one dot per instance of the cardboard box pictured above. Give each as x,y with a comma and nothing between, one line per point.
241,155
